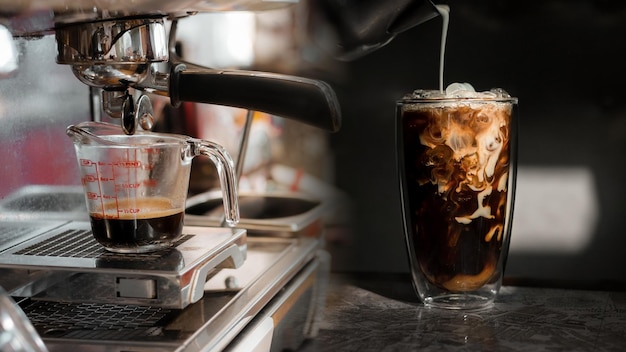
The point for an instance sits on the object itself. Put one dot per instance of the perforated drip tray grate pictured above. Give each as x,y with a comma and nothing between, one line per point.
97,321
170,278
274,272
79,243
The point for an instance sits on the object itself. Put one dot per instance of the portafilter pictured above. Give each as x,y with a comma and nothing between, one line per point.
119,54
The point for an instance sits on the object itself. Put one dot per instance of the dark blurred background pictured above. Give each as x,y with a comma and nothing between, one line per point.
564,61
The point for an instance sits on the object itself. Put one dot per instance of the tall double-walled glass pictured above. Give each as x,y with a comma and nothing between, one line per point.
457,167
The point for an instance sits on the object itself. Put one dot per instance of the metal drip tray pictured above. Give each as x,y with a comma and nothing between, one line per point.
276,271
89,320
280,214
78,269
200,295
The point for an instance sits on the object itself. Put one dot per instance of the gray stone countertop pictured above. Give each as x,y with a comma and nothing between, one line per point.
381,313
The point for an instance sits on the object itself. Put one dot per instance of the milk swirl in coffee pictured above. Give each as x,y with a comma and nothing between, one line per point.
456,157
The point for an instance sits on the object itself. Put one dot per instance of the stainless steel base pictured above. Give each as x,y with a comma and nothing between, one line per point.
77,269
282,281
102,302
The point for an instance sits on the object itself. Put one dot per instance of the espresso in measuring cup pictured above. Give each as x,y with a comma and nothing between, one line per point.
137,225
136,185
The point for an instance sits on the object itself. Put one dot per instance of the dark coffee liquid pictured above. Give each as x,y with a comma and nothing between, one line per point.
153,227
455,195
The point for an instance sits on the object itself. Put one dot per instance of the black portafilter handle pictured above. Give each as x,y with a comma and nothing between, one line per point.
309,101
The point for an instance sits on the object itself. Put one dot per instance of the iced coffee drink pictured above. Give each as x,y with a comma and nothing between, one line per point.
457,168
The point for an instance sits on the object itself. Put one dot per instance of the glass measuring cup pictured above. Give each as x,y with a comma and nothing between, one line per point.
136,185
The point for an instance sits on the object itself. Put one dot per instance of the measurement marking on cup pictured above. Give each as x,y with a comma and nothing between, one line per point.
128,164
127,186
108,186
94,178
131,164
100,190
94,196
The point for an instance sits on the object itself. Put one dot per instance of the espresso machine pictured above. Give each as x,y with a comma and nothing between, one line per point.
258,286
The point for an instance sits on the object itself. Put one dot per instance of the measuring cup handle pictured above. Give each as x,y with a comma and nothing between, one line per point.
226,172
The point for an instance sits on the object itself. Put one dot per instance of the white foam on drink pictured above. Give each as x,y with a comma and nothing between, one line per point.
460,91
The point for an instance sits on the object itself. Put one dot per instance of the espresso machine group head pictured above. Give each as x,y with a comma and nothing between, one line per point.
116,47
118,54
115,55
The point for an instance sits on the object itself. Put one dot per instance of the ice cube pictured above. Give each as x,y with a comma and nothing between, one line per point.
460,90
